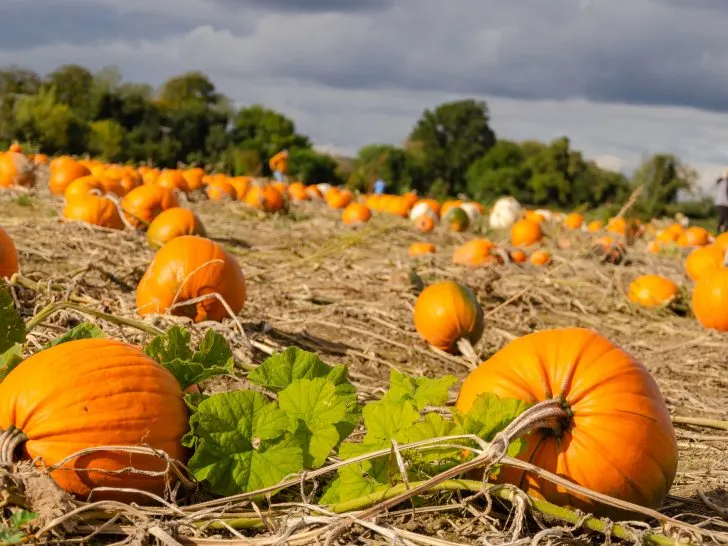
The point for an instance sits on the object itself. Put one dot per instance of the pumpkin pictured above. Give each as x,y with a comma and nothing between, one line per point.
83,187
573,220
534,216
112,185
704,260
425,222
609,250
456,219
338,199
172,223
16,170
15,147
64,171
594,226
541,258
619,226
96,392
241,185
615,436
447,205
694,236
141,205
172,179
518,256
423,206
297,191
8,255
525,233
221,190
264,197
355,214
421,248
190,267
446,312
193,178
721,241
475,253
710,300
94,210
655,247
505,213
652,291
473,210
667,236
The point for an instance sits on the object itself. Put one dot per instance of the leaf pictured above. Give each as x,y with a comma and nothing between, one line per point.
433,426
20,518
314,408
10,359
193,399
386,419
12,327
241,443
423,391
281,369
213,356
490,414
85,330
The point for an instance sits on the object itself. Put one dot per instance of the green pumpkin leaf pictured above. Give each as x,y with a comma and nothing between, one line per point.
490,414
85,330
12,327
242,443
314,409
423,391
10,359
281,369
172,350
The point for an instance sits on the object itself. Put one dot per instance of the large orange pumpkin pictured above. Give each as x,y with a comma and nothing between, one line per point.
525,233
8,255
83,187
193,178
91,393
616,436
94,210
144,203
710,300
65,170
652,291
355,214
174,222
704,260
190,267
445,313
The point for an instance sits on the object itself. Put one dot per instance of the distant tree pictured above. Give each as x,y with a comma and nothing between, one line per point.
452,137
72,85
662,177
311,167
106,139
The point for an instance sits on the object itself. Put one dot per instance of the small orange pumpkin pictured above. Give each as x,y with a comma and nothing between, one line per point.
221,190
694,236
652,291
172,179
573,220
297,191
421,248
108,393
446,312
264,197
525,233
475,253
338,198
355,214
174,222
594,226
144,203
425,223
193,178
704,260
93,210
518,256
710,300
541,258
186,268
8,255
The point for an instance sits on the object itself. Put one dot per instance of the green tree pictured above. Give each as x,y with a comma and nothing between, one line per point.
312,167
106,139
662,177
15,83
452,137
72,85
501,171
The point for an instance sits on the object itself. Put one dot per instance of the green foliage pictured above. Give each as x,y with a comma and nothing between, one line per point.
106,139
12,532
85,330
662,177
311,167
212,357
12,333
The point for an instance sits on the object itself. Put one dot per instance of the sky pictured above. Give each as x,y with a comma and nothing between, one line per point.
621,78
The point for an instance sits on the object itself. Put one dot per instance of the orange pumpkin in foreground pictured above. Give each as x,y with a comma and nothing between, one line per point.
652,291
93,210
144,203
103,393
8,255
617,439
190,267
710,300
174,222
446,312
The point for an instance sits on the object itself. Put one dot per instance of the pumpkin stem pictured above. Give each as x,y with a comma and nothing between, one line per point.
10,439
550,414
467,350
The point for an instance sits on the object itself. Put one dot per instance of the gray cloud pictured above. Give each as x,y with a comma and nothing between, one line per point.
312,5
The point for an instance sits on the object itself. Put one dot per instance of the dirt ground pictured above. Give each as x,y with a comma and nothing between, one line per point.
347,295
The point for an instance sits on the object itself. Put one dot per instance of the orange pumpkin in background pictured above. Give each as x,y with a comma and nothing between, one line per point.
710,300
16,170
355,214
541,258
525,233
425,223
694,236
652,291
143,204
174,222
264,197
8,255
421,249
446,312
108,393
615,436
475,253
193,178
83,187
93,210
172,179
221,190
704,260
65,170
186,268
573,220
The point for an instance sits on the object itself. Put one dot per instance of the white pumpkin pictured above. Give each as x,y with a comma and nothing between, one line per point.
505,213
472,210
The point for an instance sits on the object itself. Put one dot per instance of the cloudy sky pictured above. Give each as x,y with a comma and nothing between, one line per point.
621,78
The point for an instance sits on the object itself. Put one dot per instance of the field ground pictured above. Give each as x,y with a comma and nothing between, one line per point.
347,295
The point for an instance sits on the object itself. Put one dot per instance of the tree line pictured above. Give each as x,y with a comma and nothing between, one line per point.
451,149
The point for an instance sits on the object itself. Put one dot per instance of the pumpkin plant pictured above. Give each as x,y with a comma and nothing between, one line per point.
8,255
447,316
189,276
602,421
653,291
172,223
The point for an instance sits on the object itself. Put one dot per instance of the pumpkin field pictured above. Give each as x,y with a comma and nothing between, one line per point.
195,358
